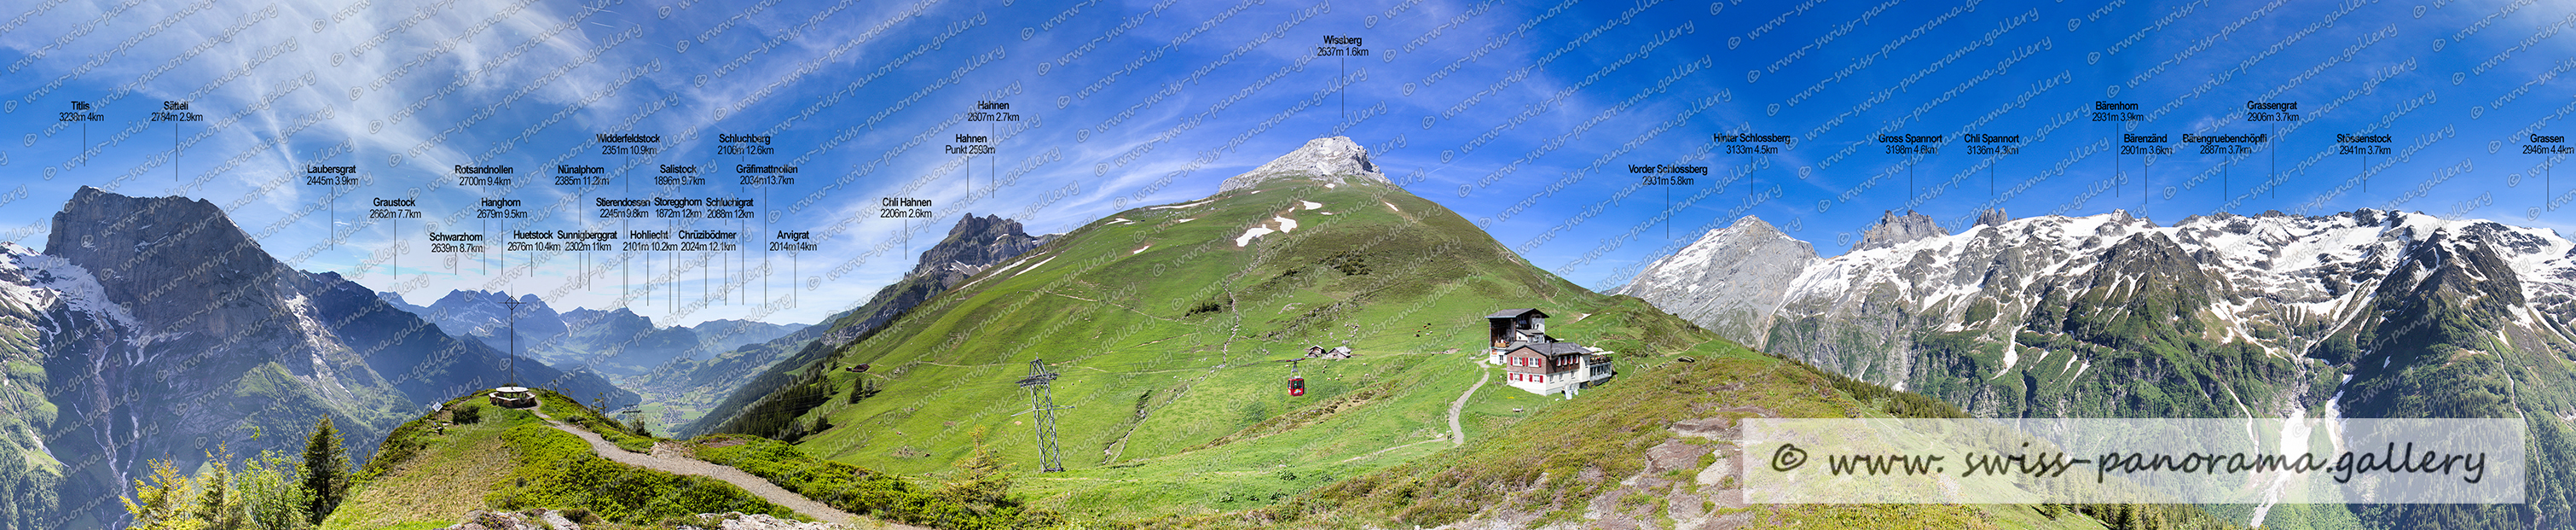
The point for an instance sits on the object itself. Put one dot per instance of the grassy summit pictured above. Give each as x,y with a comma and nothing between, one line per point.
429,475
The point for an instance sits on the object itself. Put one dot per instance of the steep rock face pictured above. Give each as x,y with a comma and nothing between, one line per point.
1892,230
1730,281
195,337
1332,160
175,263
58,335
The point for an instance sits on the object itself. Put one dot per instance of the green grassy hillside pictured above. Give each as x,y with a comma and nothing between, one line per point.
1168,336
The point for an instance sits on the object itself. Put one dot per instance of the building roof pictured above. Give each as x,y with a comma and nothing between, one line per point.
1554,348
1515,313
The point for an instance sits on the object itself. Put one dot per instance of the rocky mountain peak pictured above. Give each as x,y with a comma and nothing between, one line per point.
1331,160
976,242
1994,217
1748,227
140,246
1729,281
1893,230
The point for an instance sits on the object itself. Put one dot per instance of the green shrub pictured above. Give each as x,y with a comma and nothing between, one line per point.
979,499
558,470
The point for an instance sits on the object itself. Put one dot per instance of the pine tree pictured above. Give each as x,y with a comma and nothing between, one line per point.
219,504
326,471
272,495
162,503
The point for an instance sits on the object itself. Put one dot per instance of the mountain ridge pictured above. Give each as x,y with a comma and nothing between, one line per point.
2358,314
194,337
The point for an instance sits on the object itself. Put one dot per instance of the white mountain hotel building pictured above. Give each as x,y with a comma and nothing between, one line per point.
1535,362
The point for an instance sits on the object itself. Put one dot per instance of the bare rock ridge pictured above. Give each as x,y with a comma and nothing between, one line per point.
975,243
1994,217
1893,230
1333,160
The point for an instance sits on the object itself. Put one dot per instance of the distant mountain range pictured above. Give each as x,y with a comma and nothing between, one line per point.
155,328
616,342
2359,314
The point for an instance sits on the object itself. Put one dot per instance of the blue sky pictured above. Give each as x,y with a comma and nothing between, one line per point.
1525,116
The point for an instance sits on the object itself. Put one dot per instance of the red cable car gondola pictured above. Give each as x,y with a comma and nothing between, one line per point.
1296,384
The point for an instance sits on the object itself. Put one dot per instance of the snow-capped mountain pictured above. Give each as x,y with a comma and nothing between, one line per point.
2223,315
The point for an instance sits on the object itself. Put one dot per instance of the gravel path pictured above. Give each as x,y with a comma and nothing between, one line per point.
1458,433
666,461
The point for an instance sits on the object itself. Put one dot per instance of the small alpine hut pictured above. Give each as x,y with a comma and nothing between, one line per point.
1538,363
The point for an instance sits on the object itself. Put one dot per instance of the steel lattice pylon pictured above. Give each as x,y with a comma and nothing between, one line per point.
513,304
1042,402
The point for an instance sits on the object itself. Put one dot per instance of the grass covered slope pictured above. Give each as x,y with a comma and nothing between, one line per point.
1166,323
426,476
1657,450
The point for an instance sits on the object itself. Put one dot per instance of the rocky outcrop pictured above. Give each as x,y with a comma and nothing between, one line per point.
536,519
972,245
1992,217
754,521
1893,230
1333,160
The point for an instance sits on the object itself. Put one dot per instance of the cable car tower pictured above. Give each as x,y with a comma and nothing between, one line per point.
513,396
1042,402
